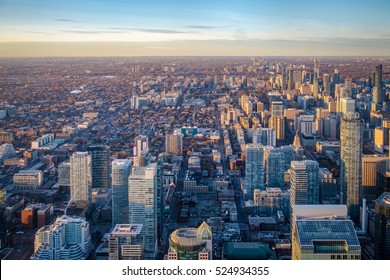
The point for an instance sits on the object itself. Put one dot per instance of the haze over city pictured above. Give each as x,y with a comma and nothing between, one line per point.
207,130
186,28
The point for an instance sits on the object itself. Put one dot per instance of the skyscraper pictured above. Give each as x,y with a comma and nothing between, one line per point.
141,150
125,242
316,88
254,168
100,165
351,158
378,78
143,204
121,169
290,85
316,69
174,143
304,182
67,239
275,169
80,179
382,227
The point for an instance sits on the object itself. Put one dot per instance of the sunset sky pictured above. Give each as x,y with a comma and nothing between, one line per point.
115,28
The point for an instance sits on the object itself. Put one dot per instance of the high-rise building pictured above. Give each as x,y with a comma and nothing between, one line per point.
278,123
121,169
141,150
382,182
382,227
67,239
351,158
316,88
191,243
304,182
316,69
143,204
80,179
371,164
254,168
290,85
174,143
275,169
100,165
378,80
347,105
64,174
264,136
125,242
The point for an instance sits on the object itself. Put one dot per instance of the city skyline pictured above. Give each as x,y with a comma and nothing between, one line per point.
152,28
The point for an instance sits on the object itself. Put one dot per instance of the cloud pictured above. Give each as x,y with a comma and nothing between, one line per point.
207,26
92,31
153,30
63,19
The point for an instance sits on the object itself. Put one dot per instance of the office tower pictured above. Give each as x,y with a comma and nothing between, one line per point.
323,232
278,123
350,169
143,204
379,139
304,182
141,150
121,169
378,80
276,108
348,87
80,179
191,243
64,174
336,76
254,168
316,88
275,169
316,69
371,165
329,188
67,239
264,136
100,165
377,97
290,85
174,143
382,227
125,242
347,105
382,182
386,127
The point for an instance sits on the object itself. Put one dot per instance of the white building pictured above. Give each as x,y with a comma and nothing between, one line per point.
143,204
67,239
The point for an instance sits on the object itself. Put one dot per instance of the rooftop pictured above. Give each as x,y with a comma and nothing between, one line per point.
310,231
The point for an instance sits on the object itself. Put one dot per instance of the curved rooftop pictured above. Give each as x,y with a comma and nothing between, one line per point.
192,236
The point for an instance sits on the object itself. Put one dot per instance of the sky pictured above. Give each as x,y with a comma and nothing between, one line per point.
190,28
